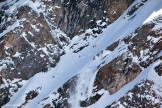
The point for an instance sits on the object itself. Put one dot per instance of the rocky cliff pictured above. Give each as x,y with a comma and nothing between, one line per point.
80,53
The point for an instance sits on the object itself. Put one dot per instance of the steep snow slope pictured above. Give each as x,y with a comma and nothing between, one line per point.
79,60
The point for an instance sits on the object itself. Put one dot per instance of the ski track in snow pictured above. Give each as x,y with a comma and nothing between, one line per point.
82,62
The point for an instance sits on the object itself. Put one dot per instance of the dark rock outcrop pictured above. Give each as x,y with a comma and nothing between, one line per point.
30,47
27,49
122,69
142,95
2,0
74,17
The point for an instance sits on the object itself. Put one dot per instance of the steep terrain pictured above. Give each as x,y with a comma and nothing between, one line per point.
80,53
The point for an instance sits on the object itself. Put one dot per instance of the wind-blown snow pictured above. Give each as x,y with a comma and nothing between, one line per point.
82,62
155,14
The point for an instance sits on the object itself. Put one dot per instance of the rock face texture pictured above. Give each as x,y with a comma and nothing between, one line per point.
20,46
136,97
74,17
28,48
122,70
74,53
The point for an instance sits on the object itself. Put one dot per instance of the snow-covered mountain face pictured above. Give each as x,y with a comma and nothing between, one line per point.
80,53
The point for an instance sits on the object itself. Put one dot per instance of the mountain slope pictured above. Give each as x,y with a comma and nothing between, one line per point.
109,64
